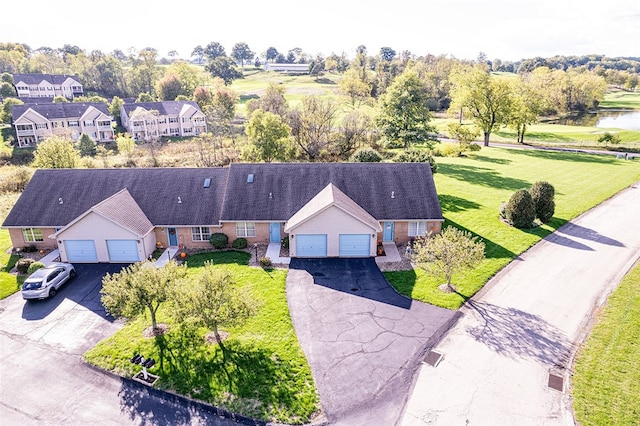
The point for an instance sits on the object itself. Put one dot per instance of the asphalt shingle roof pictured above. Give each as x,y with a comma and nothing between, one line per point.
163,108
59,110
176,196
167,196
292,185
37,78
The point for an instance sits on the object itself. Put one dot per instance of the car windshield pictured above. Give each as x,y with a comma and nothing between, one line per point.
32,285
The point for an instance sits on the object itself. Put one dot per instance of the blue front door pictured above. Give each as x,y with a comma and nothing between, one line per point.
387,235
173,236
274,232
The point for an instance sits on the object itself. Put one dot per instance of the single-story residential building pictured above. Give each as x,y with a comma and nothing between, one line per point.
47,85
325,209
35,122
151,120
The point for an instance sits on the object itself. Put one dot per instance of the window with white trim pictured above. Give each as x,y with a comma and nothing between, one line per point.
417,229
200,233
32,235
246,229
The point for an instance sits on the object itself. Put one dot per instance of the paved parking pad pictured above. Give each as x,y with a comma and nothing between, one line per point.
363,340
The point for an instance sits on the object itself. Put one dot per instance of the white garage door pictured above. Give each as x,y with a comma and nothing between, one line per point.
123,250
311,245
81,251
355,245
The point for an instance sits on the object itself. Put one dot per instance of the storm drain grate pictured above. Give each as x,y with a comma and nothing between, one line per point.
556,381
433,358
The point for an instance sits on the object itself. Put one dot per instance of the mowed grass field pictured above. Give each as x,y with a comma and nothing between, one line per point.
606,381
472,188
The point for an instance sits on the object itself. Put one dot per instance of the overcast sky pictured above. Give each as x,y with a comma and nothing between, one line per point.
505,29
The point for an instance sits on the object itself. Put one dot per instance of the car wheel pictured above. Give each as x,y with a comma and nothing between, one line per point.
72,274
52,292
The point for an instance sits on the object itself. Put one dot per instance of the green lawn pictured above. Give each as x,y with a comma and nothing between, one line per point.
555,135
266,375
621,100
9,283
606,382
471,190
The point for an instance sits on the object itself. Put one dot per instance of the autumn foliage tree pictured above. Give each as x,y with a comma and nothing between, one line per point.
448,252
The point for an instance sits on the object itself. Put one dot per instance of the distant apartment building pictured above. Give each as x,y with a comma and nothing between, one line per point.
288,68
47,85
35,122
151,120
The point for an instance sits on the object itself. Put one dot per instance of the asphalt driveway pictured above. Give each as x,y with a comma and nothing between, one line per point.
363,340
43,380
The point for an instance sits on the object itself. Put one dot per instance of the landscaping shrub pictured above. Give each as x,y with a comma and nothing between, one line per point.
521,211
416,156
22,265
239,243
542,194
16,181
265,261
474,147
449,150
285,243
219,240
34,267
366,155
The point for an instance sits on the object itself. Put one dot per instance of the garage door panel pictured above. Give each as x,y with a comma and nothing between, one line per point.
311,245
81,251
123,250
355,245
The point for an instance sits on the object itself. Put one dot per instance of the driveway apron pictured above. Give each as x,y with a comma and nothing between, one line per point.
363,340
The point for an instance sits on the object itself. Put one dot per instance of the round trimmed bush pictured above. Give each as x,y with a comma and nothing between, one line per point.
520,210
34,267
542,194
265,262
239,243
22,265
219,240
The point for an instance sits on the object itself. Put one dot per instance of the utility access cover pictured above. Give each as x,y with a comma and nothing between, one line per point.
433,358
556,381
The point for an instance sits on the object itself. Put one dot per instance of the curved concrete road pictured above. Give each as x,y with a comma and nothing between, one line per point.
527,322
363,340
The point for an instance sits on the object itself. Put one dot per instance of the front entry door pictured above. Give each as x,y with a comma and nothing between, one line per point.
274,232
387,235
173,236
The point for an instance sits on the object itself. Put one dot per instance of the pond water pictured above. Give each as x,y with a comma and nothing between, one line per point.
628,120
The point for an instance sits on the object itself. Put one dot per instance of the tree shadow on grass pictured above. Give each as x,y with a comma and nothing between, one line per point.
562,155
517,334
482,176
324,80
451,203
489,159
250,380
492,250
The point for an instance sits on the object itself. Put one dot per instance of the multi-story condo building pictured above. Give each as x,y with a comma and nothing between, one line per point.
151,120
47,85
35,122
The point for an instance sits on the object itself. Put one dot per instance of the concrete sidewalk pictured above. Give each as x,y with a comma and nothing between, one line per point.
527,322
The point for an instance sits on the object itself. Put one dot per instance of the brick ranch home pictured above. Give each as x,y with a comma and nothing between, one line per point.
326,209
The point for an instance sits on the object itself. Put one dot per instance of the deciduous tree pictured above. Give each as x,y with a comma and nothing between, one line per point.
211,300
404,117
352,86
312,125
268,134
486,100
139,288
242,53
448,252
55,152
224,68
